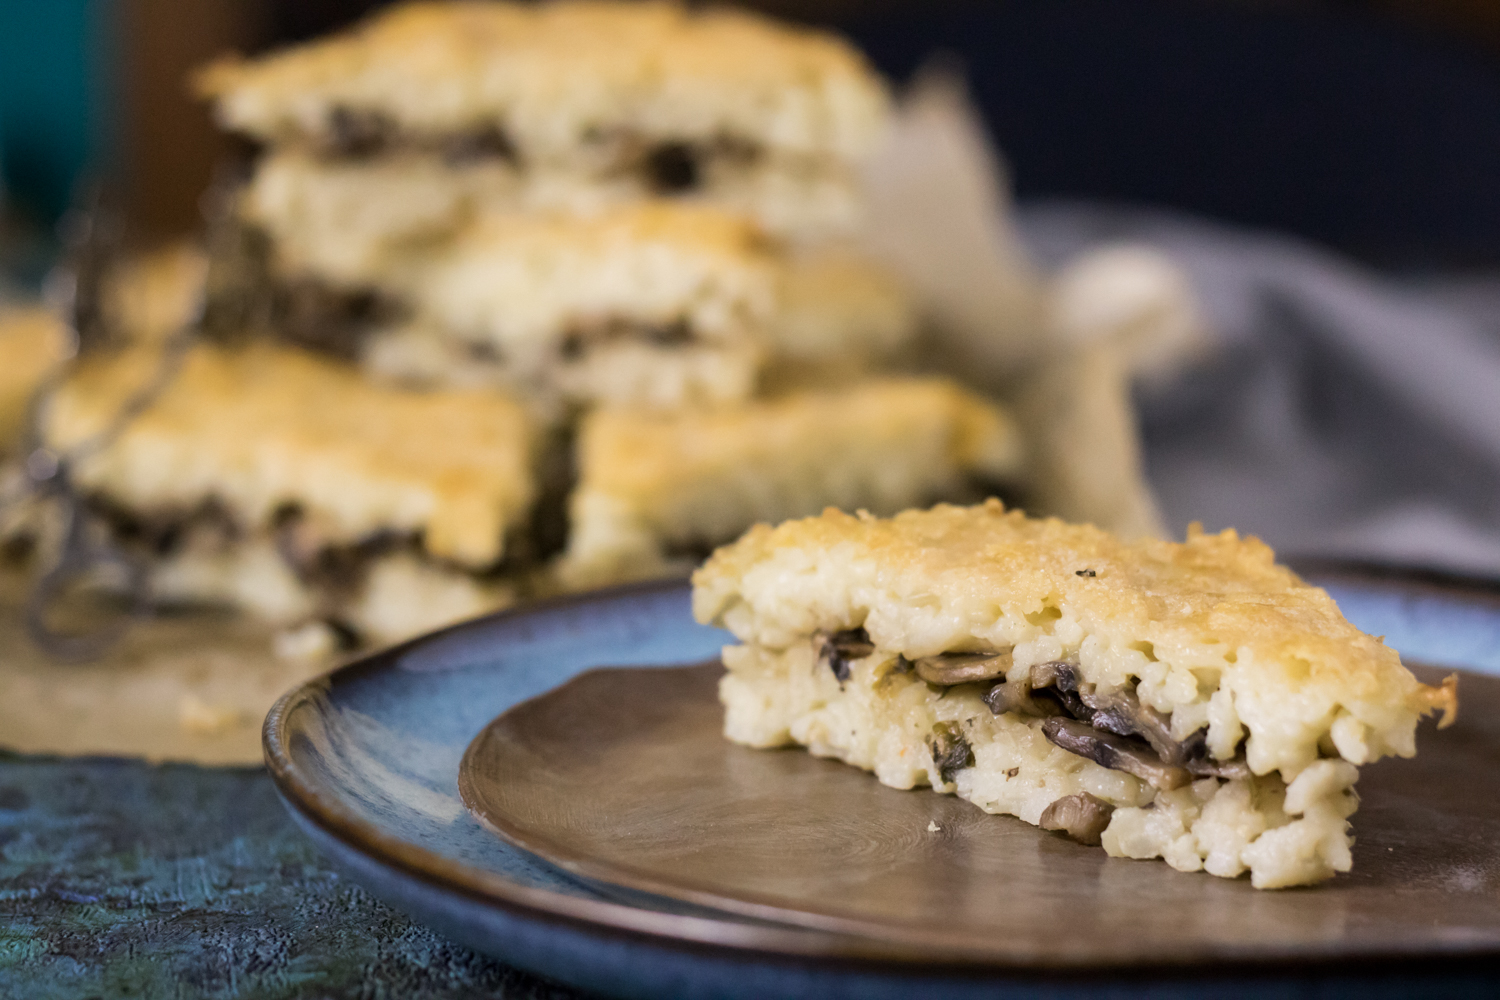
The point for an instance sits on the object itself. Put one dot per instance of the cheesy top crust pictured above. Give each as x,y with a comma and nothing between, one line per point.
556,75
1183,619
267,427
640,456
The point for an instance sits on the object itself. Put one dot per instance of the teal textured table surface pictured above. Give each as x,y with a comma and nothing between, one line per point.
122,879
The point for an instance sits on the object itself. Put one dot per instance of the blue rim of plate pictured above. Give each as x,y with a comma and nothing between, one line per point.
671,929
1429,603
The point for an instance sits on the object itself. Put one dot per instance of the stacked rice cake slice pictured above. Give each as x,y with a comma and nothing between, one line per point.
530,180
286,484
657,488
655,303
446,109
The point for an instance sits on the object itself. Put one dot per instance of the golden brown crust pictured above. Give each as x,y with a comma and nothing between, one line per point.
267,427
652,482
558,77
645,457
1442,699
32,343
1215,609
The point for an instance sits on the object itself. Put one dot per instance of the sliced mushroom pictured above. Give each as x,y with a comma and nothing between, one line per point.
1059,680
673,168
1055,673
488,142
673,334
1228,769
951,751
1082,817
1122,712
841,649
299,539
1201,763
962,668
356,133
1118,753
1015,696
1003,697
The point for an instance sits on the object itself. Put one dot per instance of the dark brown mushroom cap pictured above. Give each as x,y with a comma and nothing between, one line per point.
1015,696
962,668
1061,681
840,649
950,749
1118,753
1121,713
1082,817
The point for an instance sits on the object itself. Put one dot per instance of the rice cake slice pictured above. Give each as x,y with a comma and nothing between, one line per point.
655,304
654,486
1192,701
837,315
287,485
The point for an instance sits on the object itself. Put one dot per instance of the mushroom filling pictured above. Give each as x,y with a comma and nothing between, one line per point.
1082,817
950,750
488,142
962,668
1117,727
1118,753
164,531
840,649
355,133
317,559
666,167
1113,730
245,292
363,133
670,166
337,567
311,314
584,336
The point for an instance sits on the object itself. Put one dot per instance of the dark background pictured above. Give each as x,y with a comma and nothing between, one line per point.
1370,126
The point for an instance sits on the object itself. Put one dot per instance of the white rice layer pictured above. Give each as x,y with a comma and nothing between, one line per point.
882,719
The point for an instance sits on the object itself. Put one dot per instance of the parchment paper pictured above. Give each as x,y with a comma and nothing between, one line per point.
187,686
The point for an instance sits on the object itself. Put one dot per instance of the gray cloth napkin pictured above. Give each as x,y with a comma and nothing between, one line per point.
1338,411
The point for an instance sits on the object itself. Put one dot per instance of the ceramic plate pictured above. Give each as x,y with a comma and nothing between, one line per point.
622,776
367,759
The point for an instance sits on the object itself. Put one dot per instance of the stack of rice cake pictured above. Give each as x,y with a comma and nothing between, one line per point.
617,224
564,196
